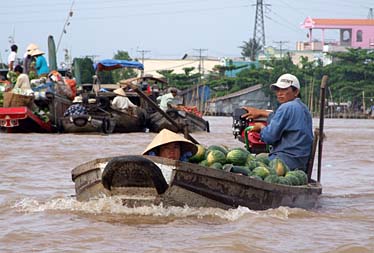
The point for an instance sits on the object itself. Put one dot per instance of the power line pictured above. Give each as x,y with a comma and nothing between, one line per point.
281,42
201,60
143,52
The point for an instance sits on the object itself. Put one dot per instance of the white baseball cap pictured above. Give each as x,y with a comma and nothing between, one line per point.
285,81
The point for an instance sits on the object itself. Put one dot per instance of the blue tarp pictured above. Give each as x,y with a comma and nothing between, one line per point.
109,64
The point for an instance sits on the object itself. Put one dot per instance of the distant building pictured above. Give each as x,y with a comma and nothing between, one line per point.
251,96
353,33
151,66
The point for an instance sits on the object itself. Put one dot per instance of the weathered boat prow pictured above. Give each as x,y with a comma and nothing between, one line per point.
144,180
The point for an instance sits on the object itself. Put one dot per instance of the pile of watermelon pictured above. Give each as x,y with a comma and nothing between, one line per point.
239,160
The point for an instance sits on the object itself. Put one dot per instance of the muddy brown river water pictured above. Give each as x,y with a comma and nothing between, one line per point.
38,212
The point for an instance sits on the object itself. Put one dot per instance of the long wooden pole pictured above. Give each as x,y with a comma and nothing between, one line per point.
321,125
154,105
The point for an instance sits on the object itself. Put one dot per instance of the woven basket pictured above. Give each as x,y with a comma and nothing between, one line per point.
15,100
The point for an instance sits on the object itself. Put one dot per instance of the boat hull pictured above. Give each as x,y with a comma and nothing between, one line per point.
186,184
87,124
157,122
22,120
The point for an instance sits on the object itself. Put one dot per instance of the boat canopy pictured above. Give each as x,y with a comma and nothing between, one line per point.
109,64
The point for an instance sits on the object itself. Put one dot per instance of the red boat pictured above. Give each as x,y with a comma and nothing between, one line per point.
19,118
22,120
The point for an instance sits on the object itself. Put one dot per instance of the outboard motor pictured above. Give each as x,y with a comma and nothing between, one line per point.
239,123
241,129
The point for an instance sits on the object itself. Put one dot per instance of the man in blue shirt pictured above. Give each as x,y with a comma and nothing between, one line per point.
289,130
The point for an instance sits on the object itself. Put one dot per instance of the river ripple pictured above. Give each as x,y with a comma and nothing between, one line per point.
39,214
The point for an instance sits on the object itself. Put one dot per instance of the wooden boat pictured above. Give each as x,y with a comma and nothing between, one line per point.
87,124
147,180
173,119
101,117
157,121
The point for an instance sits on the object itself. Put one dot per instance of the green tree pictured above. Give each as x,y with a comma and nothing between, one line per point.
351,74
251,49
123,73
83,70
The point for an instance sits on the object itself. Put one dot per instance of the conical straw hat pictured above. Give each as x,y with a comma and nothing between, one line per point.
166,136
36,52
31,47
120,92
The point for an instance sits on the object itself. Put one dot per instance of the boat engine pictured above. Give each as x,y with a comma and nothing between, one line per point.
241,129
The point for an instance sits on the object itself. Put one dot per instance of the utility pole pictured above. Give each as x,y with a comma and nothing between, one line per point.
201,73
371,14
201,61
143,52
281,42
259,28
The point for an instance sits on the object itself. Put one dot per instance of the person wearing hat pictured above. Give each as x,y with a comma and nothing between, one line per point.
170,145
289,129
166,100
76,108
27,58
121,101
41,65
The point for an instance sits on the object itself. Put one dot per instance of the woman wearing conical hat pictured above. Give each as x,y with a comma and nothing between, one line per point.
41,63
170,145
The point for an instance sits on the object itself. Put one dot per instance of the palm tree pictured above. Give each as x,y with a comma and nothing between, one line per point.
250,49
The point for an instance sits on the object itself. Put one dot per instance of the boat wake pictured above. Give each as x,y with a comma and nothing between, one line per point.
113,206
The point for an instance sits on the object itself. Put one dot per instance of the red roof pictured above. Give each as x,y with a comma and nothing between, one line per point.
320,22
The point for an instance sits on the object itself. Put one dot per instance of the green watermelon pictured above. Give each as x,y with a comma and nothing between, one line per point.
241,149
227,167
262,172
241,169
200,154
263,157
292,178
251,164
217,166
204,163
303,178
284,180
237,157
273,179
216,156
279,166
218,147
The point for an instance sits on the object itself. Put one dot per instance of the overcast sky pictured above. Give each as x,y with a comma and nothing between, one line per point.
164,28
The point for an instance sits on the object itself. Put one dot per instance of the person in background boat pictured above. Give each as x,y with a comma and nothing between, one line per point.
121,102
289,130
70,81
22,85
27,58
166,100
155,92
76,108
41,65
12,58
170,145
